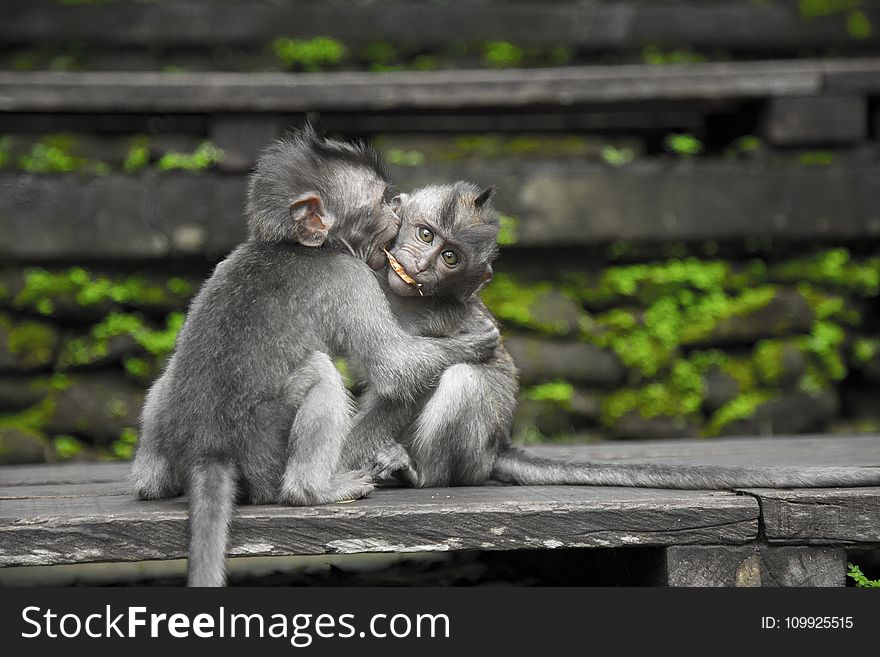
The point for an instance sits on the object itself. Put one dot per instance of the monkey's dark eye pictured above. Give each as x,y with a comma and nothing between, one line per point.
426,235
450,257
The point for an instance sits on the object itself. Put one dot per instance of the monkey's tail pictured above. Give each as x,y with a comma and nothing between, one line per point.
212,498
515,466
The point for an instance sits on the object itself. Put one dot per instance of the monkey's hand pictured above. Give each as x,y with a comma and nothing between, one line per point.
392,461
482,337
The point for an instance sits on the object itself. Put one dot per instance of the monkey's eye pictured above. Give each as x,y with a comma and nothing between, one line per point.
426,235
450,257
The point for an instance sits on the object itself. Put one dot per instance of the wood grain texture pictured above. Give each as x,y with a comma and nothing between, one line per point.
68,528
84,512
755,565
835,516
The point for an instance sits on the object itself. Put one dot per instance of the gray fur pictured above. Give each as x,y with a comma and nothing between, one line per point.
246,404
459,433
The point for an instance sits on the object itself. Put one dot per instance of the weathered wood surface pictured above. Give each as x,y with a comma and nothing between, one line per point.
754,565
562,202
84,512
296,92
743,25
834,516
73,524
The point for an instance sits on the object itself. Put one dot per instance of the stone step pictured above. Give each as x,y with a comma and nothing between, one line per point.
737,25
552,202
560,87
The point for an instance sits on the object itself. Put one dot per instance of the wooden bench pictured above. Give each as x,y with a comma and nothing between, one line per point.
79,513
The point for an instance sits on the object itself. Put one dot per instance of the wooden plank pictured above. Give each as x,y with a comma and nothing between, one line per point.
742,25
855,451
62,474
297,92
754,565
118,528
837,516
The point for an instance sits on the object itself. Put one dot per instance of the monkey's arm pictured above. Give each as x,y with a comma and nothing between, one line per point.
396,364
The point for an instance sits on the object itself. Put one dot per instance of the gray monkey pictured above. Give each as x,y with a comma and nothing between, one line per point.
250,406
458,433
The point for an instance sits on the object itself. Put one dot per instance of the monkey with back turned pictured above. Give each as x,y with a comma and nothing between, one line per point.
458,433
250,406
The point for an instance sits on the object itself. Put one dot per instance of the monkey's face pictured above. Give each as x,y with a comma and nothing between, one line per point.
367,225
446,242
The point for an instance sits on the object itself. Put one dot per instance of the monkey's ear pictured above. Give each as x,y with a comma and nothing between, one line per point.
397,201
484,196
307,210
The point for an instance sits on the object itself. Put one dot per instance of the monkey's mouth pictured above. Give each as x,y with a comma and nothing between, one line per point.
401,271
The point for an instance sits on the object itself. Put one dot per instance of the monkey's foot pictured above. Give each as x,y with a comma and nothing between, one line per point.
342,487
392,459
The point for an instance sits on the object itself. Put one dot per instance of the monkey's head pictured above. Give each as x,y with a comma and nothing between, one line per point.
311,190
446,243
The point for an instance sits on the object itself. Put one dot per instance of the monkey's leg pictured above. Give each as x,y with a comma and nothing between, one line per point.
320,425
456,436
153,474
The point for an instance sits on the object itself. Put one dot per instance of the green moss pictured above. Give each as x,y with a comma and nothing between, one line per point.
67,447
5,149
53,154
683,144
558,392
405,158
44,289
490,146
825,342
87,349
767,358
742,408
834,268
656,56
380,53
816,158
205,156
617,157
864,350
512,302
680,394
33,418
123,447
138,156
503,54
33,343
507,229
858,26
811,9
314,54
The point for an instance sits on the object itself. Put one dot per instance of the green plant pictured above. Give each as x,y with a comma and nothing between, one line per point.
656,56
558,391
507,229
52,154
617,157
138,155
816,158
309,55
856,574
206,155
683,144
503,54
